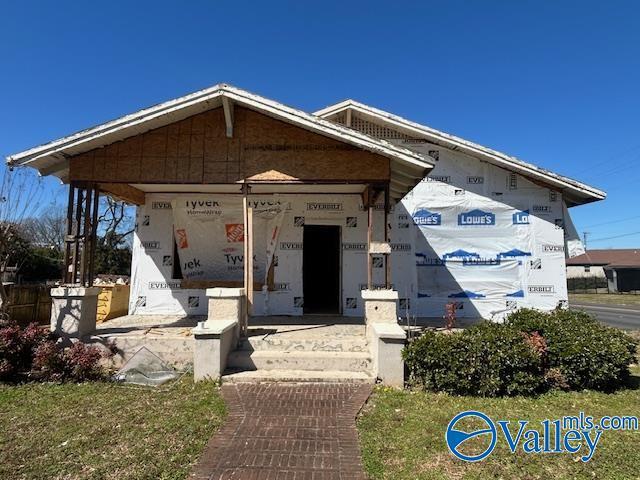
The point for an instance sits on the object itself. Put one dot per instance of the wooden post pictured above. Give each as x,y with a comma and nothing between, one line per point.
94,230
370,199
86,229
248,259
82,229
66,277
76,236
387,257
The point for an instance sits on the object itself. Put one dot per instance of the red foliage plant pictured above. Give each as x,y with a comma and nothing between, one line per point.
35,352
537,342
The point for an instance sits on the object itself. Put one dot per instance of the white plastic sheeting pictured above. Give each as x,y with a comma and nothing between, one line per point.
209,233
573,243
484,237
471,233
208,237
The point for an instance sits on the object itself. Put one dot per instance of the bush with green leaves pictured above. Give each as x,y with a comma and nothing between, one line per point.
586,353
530,353
488,360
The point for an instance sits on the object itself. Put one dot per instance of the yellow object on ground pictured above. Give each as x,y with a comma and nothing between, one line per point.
113,301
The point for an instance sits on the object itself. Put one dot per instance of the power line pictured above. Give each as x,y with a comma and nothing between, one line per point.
615,236
613,221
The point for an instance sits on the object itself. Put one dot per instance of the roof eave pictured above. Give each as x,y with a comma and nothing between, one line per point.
52,156
576,192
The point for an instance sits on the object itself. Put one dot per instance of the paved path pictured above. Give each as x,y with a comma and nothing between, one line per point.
287,431
625,317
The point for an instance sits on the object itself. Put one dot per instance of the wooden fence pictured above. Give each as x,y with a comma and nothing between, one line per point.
29,303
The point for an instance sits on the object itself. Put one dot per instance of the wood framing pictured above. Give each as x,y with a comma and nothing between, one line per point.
124,192
80,239
227,106
197,150
248,259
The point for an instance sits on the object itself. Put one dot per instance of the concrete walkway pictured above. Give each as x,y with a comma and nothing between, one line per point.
287,431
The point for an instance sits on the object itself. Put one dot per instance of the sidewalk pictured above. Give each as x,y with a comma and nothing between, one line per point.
287,431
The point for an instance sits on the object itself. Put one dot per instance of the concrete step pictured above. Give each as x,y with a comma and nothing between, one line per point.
296,376
176,350
296,360
351,343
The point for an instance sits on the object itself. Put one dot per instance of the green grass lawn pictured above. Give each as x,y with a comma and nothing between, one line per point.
605,298
402,436
105,431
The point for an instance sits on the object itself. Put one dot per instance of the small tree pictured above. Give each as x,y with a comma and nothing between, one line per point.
48,229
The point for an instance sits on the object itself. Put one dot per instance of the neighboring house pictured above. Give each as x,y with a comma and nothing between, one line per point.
326,191
613,270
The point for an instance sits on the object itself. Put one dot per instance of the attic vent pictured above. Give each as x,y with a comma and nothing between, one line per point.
339,118
375,130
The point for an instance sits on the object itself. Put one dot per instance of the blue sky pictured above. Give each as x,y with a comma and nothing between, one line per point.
554,83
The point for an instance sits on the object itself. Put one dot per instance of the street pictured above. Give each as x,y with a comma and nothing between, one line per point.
627,318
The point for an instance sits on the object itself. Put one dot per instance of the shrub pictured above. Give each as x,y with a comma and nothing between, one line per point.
530,353
17,347
487,359
586,353
32,351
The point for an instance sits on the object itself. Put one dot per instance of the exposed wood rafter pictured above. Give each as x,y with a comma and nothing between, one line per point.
54,168
227,106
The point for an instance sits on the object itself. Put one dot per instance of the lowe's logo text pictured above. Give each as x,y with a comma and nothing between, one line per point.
521,218
425,217
476,217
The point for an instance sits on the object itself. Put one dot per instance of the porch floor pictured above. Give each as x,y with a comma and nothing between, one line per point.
287,343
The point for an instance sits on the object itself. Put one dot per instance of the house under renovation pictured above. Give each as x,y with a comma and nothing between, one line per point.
250,211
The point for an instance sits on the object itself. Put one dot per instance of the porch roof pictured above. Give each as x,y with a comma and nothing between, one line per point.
407,167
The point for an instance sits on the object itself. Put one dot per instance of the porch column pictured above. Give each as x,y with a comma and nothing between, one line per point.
82,228
387,239
73,307
386,337
247,260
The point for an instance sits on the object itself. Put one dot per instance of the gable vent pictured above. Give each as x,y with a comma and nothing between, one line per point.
375,130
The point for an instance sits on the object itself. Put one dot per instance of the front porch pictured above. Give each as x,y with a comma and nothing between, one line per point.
310,348
245,207
277,348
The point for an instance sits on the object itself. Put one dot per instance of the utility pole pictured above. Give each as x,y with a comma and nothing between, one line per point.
584,239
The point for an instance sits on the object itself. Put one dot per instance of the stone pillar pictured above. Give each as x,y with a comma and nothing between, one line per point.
380,306
213,343
386,337
218,336
74,311
225,304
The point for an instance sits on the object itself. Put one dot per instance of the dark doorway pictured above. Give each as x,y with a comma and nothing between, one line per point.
321,269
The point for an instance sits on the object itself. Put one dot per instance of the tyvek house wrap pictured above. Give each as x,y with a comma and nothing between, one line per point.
470,233
209,234
208,241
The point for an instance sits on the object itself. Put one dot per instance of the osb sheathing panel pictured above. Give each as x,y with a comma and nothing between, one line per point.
197,150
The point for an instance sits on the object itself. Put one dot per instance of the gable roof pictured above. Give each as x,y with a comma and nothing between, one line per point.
623,257
407,167
574,192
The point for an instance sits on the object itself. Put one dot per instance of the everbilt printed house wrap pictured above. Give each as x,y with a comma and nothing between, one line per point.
468,224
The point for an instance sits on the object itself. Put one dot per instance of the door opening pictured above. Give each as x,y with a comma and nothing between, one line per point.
321,269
